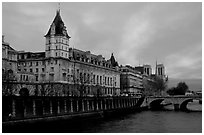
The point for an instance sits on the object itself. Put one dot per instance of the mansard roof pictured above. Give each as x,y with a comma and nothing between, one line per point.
32,55
59,26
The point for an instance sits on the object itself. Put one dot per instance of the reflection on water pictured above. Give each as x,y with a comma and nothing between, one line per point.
145,122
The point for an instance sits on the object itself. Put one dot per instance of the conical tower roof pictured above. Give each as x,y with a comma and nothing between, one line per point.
60,28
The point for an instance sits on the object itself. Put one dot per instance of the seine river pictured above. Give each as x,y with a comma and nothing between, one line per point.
166,121
143,122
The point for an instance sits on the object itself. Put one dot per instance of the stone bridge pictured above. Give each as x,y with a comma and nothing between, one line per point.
179,102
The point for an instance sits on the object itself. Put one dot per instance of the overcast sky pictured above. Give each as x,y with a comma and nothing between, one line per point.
137,33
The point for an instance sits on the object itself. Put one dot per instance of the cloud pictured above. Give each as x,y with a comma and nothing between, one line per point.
168,32
138,32
91,18
186,63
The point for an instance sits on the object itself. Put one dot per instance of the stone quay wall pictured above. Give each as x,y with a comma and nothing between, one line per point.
16,108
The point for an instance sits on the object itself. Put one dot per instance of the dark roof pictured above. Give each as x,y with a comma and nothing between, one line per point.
31,55
59,26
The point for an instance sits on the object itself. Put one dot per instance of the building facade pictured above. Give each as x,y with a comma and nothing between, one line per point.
9,60
131,80
84,72
160,70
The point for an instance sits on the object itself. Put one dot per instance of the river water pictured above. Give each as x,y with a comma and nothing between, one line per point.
145,122
166,121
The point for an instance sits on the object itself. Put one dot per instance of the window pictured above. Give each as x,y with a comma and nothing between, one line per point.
36,77
36,63
25,69
52,69
94,79
43,77
31,70
100,80
48,48
56,53
97,79
43,70
55,62
56,46
62,53
30,63
80,76
88,78
51,77
43,63
84,77
36,70
105,80
64,76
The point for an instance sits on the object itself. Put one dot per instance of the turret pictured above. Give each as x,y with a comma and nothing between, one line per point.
57,39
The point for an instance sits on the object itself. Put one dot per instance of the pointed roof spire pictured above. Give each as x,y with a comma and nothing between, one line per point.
59,6
60,28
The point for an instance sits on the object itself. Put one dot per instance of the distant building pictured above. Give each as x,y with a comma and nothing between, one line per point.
130,80
160,70
149,78
145,69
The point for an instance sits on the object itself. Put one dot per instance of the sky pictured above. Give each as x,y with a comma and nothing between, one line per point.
137,33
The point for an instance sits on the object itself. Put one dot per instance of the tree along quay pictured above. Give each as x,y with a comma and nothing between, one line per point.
22,109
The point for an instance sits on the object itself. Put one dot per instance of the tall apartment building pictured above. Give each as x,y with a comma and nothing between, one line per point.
63,64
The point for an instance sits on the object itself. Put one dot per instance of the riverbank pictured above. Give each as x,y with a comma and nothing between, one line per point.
26,125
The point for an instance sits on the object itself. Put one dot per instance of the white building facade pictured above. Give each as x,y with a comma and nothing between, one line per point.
84,72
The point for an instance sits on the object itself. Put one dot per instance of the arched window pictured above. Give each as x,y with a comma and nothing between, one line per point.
24,92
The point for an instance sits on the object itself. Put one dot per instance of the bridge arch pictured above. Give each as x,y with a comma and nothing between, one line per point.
24,92
183,105
156,104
